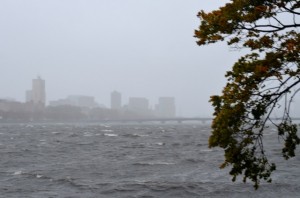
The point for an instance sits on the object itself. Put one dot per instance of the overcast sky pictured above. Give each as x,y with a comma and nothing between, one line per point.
141,48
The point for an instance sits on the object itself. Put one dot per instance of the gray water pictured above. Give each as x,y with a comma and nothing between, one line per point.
96,160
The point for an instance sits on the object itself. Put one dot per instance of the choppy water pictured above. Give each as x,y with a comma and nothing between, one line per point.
94,160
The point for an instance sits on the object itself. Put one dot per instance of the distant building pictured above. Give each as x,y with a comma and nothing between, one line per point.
166,107
38,93
139,105
28,96
5,105
12,106
115,100
18,111
76,100
82,101
60,102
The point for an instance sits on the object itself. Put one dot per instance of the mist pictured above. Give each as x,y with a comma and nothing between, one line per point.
92,48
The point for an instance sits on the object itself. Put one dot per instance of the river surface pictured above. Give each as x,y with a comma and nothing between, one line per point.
131,161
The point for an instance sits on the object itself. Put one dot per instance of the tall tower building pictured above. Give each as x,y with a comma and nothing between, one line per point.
115,100
38,91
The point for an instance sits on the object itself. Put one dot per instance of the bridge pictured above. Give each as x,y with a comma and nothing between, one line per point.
161,120
175,119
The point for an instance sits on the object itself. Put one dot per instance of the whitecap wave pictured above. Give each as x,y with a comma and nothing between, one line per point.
39,176
18,172
135,135
110,134
55,132
87,134
107,130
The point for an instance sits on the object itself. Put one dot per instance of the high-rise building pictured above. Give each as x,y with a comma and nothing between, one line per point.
166,107
38,93
115,100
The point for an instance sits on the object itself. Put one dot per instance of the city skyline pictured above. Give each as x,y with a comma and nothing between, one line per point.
81,107
38,95
164,107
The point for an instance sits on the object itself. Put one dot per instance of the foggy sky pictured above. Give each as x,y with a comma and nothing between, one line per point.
141,48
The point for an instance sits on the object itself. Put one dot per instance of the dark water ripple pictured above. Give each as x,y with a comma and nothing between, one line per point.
138,161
